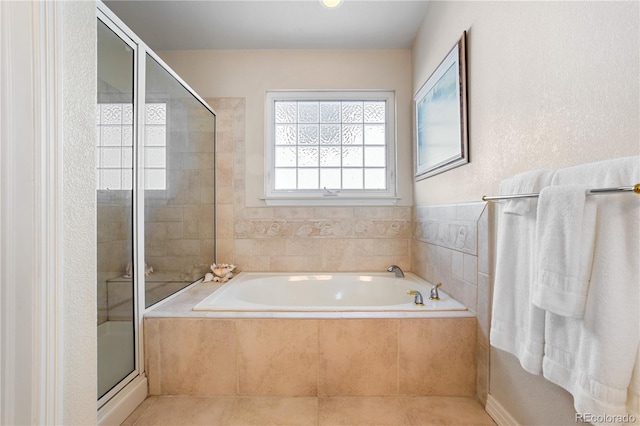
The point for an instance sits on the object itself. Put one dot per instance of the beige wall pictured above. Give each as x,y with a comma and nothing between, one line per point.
250,73
549,83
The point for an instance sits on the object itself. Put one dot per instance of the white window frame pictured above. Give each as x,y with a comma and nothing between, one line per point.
298,197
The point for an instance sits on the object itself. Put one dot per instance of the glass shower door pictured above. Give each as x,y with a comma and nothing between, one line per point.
115,118
179,162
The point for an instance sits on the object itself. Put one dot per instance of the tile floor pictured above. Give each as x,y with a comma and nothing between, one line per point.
321,411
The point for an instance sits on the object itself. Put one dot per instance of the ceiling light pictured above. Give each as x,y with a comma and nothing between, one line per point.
331,3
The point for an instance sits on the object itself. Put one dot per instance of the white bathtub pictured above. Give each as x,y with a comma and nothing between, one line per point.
324,292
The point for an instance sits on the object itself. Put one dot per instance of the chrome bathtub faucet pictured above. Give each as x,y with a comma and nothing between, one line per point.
397,270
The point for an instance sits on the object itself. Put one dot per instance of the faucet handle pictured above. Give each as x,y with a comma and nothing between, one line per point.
434,292
418,297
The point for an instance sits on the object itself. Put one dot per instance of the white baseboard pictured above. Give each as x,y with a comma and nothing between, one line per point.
498,413
124,403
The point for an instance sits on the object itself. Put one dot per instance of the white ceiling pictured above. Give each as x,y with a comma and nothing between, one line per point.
266,24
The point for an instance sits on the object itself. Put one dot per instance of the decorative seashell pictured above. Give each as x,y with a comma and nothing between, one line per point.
208,277
148,270
222,272
222,269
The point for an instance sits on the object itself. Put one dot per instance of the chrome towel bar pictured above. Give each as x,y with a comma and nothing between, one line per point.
595,191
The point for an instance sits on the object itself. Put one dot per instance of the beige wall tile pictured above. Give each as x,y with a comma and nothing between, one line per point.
295,264
174,230
185,247
224,221
197,357
358,357
224,169
277,357
251,263
152,354
437,356
302,247
225,251
207,251
164,214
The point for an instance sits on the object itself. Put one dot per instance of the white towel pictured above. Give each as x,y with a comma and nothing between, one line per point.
633,394
516,325
565,232
593,357
523,183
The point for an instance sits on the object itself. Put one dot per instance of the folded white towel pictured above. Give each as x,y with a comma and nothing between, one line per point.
565,233
523,183
517,326
593,357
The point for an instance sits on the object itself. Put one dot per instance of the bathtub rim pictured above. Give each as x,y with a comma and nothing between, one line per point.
165,310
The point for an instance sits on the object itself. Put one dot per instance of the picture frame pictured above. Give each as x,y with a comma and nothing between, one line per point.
440,116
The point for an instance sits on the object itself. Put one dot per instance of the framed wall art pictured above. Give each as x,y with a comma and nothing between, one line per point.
440,120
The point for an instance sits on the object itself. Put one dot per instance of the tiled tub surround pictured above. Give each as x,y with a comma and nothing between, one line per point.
451,244
448,244
201,354
289,239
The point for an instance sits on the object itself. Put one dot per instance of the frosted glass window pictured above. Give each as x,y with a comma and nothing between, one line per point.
320,137
114,145
286,178
352,178
374,178
330,147
308,178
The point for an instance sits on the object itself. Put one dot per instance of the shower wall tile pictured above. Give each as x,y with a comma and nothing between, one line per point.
114,243
470,268
163,213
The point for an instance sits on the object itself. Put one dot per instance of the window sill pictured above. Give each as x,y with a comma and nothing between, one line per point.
330,201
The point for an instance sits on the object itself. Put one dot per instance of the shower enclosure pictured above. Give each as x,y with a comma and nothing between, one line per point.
155,157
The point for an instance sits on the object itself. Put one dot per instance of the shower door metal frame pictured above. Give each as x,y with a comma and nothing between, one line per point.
140,52
115,25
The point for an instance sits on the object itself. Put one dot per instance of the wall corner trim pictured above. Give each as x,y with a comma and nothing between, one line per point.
498,413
